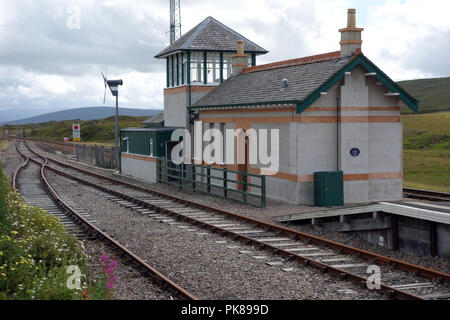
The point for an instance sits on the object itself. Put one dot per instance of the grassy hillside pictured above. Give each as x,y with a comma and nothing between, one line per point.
433,94
426,158
91,131
426,143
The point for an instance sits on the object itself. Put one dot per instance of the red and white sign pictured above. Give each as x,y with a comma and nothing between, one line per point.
76,132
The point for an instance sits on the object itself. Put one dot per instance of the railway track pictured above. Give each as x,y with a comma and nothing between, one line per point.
399,280
407,192
30,180
426,195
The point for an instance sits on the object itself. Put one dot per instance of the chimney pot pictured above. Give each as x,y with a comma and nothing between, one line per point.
351,18
239,60
351,40
240,47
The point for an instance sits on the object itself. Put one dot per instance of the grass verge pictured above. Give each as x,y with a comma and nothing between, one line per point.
39,259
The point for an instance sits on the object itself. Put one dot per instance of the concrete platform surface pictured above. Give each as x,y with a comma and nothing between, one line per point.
431,211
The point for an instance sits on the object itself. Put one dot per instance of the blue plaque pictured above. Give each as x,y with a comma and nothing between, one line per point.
355,152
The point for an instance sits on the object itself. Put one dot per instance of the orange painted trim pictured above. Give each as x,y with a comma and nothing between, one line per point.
347,177
370,108
351,42
356,177
245,123
185,89
351,29
370,119
385,175
138,157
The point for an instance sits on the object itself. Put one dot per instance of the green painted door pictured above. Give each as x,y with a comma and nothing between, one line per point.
329,189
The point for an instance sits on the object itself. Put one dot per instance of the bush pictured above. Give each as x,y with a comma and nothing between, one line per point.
36,251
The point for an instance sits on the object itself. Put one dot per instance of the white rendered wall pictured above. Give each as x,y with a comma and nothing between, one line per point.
144,170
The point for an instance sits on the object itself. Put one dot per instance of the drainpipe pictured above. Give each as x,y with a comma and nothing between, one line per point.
337,133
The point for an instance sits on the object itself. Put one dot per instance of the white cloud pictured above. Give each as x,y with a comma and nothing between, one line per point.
44,64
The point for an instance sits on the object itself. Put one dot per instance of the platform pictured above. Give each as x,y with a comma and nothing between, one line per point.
430,211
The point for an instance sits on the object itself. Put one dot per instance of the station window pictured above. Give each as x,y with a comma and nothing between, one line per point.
213,67
197,67
169,71
151,147
185,67
179,70
227,65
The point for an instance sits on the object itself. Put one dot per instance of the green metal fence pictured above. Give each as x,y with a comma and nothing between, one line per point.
250,189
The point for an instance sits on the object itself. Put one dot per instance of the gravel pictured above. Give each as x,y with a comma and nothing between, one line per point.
130,285
277,208
208,269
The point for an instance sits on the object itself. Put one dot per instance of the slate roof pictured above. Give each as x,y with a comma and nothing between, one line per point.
211,34
157,119
264,83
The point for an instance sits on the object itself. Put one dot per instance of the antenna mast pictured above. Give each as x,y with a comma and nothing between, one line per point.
175,20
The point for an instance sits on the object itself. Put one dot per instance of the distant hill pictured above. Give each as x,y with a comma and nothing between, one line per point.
433,94
96,130
83,114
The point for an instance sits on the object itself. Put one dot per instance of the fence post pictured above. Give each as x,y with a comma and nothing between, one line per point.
194,176
225,183
208,179
97,158
182,176
166,166
244,186
158,169
102,156
263,190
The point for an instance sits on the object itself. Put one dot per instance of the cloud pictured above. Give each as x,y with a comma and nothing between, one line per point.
47,62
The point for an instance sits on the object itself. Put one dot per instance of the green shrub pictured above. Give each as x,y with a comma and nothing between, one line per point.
36,251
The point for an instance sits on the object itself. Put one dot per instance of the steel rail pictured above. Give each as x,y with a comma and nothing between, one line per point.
19,169
408,192
342,274
92,230
426,194
367,255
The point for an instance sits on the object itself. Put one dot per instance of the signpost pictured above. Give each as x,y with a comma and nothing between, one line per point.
76,132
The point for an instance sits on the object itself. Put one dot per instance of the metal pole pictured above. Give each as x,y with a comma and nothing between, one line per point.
117,130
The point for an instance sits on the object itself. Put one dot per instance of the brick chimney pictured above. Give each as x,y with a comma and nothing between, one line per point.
350,36
240,60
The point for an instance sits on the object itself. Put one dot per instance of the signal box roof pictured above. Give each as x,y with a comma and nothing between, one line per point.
211,35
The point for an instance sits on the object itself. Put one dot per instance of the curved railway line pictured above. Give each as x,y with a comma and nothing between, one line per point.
407,192
336,259
37,190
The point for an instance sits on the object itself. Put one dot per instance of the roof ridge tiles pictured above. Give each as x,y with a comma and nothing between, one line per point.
294,62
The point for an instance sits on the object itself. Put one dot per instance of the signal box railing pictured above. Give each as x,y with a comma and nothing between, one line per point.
238,186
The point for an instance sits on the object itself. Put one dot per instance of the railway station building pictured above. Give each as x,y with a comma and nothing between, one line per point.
335,112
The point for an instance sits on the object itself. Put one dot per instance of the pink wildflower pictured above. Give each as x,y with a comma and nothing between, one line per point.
109,285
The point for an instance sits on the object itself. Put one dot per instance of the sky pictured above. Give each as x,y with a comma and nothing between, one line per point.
52,51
